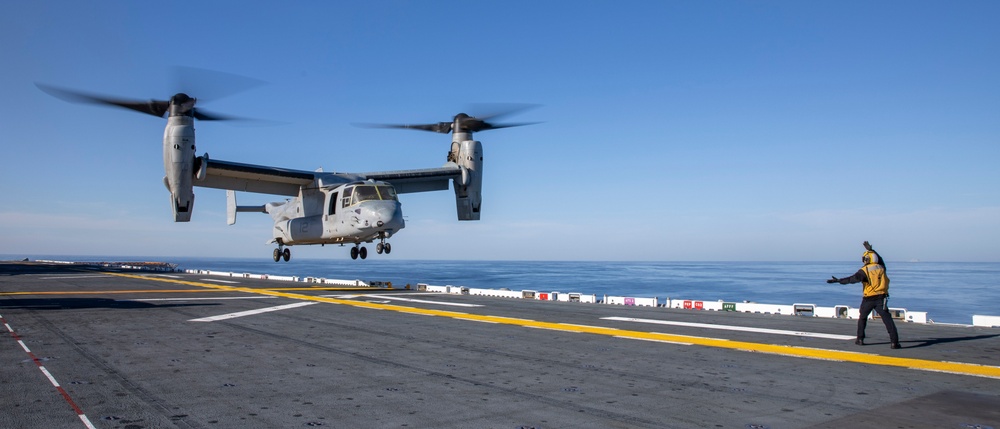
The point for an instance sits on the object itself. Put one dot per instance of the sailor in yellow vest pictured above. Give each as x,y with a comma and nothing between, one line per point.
876,295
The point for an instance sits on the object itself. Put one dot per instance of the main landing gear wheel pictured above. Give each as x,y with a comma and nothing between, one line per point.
383,247
280,254
359,251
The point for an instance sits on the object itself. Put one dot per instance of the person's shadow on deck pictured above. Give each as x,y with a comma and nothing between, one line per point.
912,344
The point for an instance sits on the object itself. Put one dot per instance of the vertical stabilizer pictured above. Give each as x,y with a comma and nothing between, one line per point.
230,207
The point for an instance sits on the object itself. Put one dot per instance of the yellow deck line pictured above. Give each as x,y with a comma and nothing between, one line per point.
105,292
102,292
340,288
781,350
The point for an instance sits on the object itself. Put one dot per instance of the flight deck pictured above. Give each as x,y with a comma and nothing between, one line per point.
134,349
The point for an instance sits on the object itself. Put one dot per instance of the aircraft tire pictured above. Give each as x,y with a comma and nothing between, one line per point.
287,254
277,255
363,253
379,247
388,248
354,253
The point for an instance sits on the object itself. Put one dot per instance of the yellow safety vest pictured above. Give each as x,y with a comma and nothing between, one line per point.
877,283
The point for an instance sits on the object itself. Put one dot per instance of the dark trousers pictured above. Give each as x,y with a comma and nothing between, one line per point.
878,303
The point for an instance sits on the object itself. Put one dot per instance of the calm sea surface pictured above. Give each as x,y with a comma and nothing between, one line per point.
950,292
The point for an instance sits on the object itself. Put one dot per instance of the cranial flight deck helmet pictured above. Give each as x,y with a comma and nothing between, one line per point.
869,257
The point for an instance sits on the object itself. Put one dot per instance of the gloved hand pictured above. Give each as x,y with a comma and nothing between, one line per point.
835,279
868,247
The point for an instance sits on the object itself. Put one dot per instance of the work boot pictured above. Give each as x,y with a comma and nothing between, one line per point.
895,346
859,342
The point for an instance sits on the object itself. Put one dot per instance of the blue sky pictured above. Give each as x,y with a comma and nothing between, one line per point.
772,131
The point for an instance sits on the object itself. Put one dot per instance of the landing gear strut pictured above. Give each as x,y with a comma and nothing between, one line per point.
280,254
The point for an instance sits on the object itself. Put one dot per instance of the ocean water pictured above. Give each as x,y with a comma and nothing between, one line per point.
950,292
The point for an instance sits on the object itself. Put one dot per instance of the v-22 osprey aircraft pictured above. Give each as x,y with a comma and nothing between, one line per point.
324,207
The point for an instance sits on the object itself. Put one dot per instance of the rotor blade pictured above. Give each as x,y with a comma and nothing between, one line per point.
510,125
499,110
465,123
211,85
484,122
202,115
440,127
151,107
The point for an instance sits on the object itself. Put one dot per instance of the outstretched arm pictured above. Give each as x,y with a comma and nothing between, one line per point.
858,277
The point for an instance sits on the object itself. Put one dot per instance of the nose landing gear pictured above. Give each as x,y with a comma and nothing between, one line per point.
360,251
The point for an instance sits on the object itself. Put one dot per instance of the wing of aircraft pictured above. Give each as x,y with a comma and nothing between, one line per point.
251,178
282,181
422,180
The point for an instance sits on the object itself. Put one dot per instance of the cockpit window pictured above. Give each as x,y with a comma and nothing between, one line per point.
387,192
364,193
347,196
369,193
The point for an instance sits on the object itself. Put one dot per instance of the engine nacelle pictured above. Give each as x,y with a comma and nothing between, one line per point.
178,165
469,195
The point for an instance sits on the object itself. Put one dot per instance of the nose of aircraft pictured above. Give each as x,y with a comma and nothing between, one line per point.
387,216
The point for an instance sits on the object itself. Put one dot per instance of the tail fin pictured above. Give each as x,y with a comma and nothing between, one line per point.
232,208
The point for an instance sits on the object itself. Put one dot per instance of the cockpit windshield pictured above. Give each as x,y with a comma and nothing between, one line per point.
372,192
387,192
